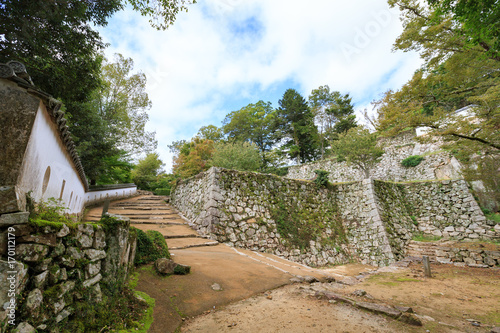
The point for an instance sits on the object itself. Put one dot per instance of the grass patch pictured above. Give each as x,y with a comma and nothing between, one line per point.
425,238
492,317
145,323
494,217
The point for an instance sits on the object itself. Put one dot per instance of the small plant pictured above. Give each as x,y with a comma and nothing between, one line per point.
412,161
321,179
414,219
151,245
49,213
425,238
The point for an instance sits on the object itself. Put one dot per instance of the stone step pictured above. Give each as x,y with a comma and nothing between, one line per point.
213,243
188,242
152,197
162,207
156,222
181,236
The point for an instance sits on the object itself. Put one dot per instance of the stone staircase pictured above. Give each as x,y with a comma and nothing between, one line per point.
152,213
419,249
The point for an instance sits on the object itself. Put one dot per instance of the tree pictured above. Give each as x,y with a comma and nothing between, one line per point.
162,13
358,147
210,132
333,112
193,157
241,156
459,71
110,125
123,103
252,123
294,123
147,170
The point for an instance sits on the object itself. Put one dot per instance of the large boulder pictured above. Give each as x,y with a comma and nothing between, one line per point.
165,266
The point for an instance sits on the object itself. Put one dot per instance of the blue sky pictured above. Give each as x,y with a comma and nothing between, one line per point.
225,54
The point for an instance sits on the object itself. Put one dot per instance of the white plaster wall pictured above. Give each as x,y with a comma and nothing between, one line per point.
46,149
96,196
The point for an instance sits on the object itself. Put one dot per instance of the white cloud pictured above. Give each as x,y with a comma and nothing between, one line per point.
223,51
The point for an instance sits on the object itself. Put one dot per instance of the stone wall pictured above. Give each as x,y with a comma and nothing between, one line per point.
369,221
447,208
436,164
57,266
458,253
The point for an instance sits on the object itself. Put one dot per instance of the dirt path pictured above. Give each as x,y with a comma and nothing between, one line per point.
243,291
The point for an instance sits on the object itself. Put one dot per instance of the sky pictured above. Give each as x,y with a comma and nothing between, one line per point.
225,54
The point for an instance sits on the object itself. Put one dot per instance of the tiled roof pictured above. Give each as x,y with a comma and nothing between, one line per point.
16,72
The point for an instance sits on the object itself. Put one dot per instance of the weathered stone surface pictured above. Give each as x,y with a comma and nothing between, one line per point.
24,327
41,279
94,255
45,239
14,218
31,252
33,301
63,315
182,269
87,229
92,281
377,308
165,266
58,250
8,200
410,319
93,268
84,240
216,287
63,232
95,293
99,238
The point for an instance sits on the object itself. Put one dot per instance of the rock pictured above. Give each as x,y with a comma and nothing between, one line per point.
182,269
358,292
495,330
31,252
337,297
94,255
96,293
91,282
404,309
377,308
99,238
83,240
165,266
33,301
45,239
14,218
216,287
66,287
63,232
58,305
296,280
58,250
63,315
310,279
41,279
410,319
86,228
74,253
24,327
93,268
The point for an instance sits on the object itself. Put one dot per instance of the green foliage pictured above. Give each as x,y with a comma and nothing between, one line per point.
294,125
151,246
242,156
459,42
119,310
412,161
321,179
182,270
192,157
484,169
300,226
252,123
333,112
358,147
50,213
493,217
420,237
145,173
210,132
161,13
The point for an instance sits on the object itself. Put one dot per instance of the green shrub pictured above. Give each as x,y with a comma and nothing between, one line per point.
321,178
151,245
161,191
412,161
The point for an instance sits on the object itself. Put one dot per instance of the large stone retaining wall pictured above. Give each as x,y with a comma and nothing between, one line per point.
52,267
436,164
368,221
